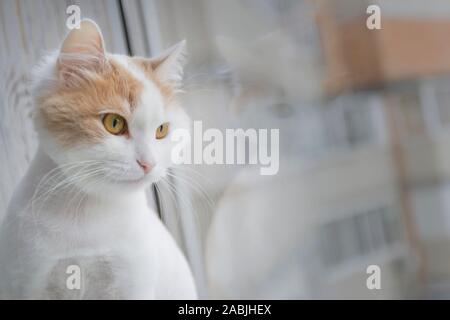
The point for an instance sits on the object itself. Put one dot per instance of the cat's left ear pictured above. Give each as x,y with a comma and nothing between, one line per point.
167,66
82,50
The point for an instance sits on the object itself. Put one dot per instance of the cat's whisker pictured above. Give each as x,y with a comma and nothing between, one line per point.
188,181
162,184
186,172
161,194
81,188
186,169
55,172
179,196
59,169
194,185
103,175
59,185
34,200
67,181
174,196
184,199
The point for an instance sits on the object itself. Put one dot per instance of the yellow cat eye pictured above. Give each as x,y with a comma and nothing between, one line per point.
114,123
162,131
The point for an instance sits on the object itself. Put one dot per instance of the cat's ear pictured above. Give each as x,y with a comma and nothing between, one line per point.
167,66
83,49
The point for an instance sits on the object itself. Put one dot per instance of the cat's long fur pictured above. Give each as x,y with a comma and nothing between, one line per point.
82,202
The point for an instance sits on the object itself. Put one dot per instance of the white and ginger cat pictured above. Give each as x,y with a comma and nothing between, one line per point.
104,123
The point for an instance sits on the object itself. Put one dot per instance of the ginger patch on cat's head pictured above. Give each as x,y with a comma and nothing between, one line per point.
89,83
73,114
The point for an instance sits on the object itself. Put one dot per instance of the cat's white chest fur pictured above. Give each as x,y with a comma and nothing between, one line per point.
118,246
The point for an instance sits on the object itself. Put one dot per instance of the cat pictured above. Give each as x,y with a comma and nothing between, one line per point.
78,225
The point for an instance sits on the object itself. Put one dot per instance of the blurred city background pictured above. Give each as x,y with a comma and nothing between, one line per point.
364,119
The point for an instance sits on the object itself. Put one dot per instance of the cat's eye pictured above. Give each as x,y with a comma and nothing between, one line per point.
162,131
114,123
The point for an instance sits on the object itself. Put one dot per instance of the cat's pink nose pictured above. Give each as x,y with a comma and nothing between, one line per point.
144,165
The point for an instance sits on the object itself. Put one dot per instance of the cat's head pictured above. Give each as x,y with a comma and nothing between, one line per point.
107,119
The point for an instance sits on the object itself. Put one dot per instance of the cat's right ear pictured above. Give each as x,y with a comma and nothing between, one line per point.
83,50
